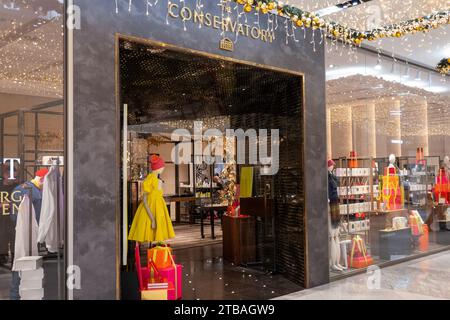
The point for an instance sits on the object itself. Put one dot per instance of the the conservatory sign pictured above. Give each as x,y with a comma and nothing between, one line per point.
225,24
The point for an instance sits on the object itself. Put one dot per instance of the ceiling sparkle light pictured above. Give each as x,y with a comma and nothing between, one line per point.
31,51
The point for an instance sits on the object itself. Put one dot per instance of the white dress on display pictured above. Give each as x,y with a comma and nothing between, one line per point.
48,226
21,246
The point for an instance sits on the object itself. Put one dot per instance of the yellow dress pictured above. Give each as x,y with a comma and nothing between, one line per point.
141,229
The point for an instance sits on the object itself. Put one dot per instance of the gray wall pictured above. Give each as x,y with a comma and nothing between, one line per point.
95,148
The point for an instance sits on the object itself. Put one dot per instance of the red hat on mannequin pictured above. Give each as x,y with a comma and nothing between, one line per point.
331,163
156,162
41,173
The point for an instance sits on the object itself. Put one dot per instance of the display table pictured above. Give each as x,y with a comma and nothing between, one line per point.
394,243
381,220
209,209
239,244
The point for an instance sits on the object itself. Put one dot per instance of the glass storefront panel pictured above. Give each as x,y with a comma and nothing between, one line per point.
32,220
388,150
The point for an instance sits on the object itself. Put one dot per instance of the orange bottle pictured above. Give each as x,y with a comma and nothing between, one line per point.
424,239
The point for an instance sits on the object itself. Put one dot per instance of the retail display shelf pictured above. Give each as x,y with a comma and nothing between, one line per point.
393,230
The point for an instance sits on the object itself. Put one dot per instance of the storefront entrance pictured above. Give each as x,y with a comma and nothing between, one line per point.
242,194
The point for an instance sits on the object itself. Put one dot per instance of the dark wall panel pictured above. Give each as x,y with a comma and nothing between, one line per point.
95,149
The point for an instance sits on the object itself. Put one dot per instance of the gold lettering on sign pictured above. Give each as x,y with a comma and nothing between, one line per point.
171,7
208,21
186,13
255,33
227,45
216,22
264,35
241,29
198,17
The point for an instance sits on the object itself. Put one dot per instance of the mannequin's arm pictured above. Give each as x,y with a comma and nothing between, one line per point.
149,212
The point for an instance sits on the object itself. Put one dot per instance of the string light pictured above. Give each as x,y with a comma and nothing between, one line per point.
43,74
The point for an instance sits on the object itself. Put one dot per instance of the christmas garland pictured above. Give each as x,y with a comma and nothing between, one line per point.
306,19
443,66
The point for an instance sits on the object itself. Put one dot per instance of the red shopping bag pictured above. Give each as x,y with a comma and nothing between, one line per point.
152,286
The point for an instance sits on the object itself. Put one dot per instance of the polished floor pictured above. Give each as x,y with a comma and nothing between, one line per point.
189,235
421,279
5,280
207,277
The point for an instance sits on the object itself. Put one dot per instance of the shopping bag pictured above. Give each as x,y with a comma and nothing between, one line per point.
152,286
175,276
359,258
161,256
158,287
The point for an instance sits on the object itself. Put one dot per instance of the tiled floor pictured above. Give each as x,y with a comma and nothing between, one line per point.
425,278
189,235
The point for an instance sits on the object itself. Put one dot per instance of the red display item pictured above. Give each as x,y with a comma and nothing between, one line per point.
156,162
161,256
392,192
331,163
353,162
41,173
360,262
424,239
174,277
146,292
442,187
359,258
420,158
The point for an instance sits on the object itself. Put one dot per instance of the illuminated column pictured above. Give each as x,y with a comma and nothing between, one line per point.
388,128
341,130
371,128
364,135
329,148
414,130
396,134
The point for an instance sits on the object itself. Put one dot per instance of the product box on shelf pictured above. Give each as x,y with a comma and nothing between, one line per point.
341,172
375,205
363,225
351,227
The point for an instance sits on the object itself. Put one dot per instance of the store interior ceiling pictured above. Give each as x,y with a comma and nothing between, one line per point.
423,48
31,46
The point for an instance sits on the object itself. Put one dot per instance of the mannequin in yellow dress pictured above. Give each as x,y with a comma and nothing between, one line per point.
152,220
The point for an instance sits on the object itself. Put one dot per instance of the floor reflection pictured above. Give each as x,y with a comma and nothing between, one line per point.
421,279
207,277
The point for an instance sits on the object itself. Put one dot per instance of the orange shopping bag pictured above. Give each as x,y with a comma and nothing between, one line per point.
160,256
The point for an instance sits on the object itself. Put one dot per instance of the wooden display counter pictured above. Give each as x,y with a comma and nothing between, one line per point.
239,245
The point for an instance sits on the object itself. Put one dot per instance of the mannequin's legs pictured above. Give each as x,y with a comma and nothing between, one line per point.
338,249
334,249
